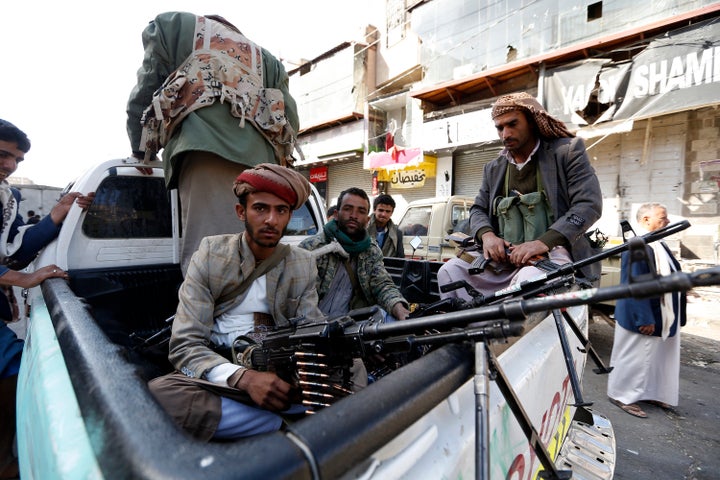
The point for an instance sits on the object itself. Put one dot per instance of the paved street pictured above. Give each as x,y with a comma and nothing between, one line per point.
681,445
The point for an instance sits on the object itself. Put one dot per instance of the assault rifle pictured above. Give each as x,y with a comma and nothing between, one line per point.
551,271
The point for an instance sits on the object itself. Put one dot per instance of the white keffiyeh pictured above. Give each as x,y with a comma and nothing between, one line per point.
663,265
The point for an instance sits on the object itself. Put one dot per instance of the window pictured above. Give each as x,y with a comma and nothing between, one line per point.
416,221
594,11
129,207
460,219
302,222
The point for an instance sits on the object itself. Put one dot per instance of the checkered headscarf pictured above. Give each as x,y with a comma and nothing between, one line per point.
548,126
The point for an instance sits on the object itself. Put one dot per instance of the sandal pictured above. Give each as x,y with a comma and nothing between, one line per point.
633,409
660,404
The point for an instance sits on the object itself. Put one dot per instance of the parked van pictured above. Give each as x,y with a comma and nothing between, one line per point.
431,220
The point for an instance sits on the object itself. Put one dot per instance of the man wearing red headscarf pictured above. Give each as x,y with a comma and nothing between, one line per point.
239,285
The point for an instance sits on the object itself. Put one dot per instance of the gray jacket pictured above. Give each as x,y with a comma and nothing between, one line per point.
572,188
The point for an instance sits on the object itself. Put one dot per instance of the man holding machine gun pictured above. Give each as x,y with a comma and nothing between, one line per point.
239,284
538,198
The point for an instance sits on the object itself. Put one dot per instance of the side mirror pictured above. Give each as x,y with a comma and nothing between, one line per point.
415,242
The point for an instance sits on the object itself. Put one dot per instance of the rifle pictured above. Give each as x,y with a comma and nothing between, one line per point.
551,270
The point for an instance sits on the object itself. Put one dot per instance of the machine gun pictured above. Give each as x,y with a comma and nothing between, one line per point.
318,356
553,278
318,352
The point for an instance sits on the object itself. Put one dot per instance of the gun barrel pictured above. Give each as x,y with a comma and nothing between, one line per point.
514,310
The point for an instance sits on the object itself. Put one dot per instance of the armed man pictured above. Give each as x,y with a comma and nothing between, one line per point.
239,285
351,272
538,198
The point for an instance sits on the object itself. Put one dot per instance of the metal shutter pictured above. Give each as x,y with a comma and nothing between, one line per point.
468,168
342,176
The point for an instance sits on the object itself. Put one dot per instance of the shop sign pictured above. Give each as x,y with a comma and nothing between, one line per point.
678,71
413,178
319,174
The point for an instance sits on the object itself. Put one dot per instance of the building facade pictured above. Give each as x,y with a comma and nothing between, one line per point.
641,85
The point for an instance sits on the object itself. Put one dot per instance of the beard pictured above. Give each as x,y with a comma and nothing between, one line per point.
358,235
255,235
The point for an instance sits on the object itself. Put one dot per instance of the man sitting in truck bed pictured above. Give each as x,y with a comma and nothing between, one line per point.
351,273
381,227
239,284
538,197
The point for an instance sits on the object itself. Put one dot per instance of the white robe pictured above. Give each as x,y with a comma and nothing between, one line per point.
649,367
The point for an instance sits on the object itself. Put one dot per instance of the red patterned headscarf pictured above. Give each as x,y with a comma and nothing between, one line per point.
284,182
548,126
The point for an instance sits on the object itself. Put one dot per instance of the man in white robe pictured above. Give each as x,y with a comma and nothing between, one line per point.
646,348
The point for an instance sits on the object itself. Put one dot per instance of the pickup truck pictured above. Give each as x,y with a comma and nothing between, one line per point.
84,410
431,220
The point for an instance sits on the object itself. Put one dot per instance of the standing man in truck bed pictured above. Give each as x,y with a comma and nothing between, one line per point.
217,103
539,197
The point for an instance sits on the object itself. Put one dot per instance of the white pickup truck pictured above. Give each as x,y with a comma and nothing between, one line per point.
479,402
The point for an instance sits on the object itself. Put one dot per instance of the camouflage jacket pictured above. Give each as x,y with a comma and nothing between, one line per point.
375,282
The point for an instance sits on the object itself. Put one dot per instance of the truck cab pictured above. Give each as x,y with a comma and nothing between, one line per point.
431,220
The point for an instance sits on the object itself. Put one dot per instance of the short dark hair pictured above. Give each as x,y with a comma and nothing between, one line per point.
383,200
353,191
11,133
331,211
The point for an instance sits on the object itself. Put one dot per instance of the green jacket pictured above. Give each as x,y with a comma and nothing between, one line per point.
375,282
393,246
168,41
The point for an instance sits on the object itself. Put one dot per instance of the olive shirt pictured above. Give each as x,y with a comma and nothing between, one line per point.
168,41
375,283
393,244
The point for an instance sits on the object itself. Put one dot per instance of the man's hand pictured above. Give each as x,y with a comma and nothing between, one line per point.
494,247
61,209
266,389
141,157
32,279
647,329
521,254
399,311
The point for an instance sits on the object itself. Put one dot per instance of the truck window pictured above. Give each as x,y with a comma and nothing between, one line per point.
302,222
416,221
460,219
129,207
